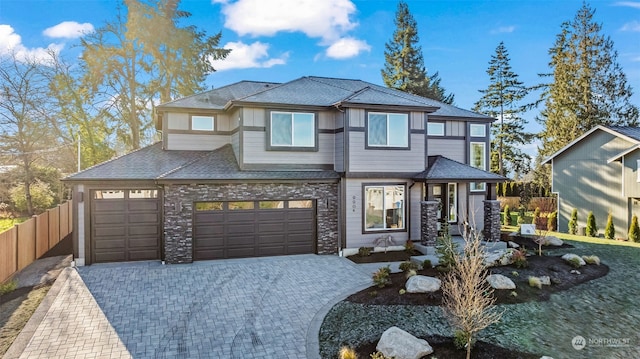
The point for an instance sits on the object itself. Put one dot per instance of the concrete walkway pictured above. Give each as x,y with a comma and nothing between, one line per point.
243,308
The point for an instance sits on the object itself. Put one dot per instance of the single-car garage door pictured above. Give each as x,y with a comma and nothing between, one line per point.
125,225
253,228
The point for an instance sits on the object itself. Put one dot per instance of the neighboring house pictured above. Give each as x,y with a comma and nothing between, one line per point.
314,165
599,172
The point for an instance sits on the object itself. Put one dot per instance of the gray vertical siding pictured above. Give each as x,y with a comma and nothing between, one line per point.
362,159
631,183
254,149
339,152
194,142
584,180
450,148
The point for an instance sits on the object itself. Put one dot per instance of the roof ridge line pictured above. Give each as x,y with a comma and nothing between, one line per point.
206,153
114,158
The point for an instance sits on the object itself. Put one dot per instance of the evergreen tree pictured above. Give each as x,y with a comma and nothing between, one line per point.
592,228
588,86
502,100
507,216
145,56
610,229
404,63
634,230
573,223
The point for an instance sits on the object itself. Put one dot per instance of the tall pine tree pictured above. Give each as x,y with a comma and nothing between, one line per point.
588,86
502,100
404,63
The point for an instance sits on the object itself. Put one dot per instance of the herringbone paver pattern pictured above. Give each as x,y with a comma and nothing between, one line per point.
244,308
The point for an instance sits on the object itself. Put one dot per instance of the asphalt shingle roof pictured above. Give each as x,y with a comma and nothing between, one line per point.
632,132
445,169
154,163
216,99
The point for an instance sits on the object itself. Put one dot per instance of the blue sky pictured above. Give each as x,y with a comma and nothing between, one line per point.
280,40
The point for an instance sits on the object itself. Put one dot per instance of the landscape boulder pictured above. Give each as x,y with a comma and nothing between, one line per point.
513,245
422,284
553,241
399,344
498,281
569,257
500,257
545,280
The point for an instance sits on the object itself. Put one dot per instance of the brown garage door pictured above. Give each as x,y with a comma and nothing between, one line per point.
125,225
253,228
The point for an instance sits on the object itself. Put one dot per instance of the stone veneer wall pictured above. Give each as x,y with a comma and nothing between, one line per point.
179,199
491,229
428,222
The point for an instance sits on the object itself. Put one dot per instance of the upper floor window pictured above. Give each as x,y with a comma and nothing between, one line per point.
202,123
293,129
435,129
478,160
478,130
388,130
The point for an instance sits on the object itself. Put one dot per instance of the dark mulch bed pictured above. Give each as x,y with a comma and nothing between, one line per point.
390,256
529,243
553,266
443,348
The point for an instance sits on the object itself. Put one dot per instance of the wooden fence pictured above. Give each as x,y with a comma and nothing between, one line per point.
28,241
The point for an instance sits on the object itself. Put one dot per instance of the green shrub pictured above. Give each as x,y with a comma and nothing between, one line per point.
42,198
520,258
446,250
535,282
8,287
591,259
427,264
575,262
573,223
552,221
364,251
378,355
634,230
610,229
381,277
592,228
409,247
407,266
507,216
521,219
536,215
460,340
347,353
410,273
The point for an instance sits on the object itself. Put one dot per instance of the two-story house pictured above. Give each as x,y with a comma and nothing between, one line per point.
314,165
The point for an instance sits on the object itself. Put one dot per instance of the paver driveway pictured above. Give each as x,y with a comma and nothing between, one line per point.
244,308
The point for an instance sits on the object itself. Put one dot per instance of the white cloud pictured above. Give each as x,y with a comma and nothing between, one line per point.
11,43
504,30
325,19
633,26
346,48
68,30
632,4
243,56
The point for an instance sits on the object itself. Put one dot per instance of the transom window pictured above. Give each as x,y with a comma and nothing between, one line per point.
435,129
202,123
384,207
293,129
388,130
478,130
478,156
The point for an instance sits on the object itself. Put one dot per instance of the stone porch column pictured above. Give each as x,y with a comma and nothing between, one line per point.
428,222
491,230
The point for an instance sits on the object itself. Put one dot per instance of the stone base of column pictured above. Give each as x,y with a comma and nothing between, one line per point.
491,230
428,222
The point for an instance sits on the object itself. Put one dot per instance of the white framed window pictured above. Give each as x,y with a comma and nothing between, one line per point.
435,129
478,160
292,129
452,202
476,130
384,207
202,123
388,130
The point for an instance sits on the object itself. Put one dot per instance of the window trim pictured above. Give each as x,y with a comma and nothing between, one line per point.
377,147
436,134
478,186
478,125
213,123
363,213
271,147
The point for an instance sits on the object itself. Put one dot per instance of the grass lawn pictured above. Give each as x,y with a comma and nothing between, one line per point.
16,313
604,311
6,223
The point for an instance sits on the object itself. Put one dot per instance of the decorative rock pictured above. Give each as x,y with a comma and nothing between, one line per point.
422,284
569,257
399,344
574,271
499,258
498,281
545,280
545,357
553,241
513,245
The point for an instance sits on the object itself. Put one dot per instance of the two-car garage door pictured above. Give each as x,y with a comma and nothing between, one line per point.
253,228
